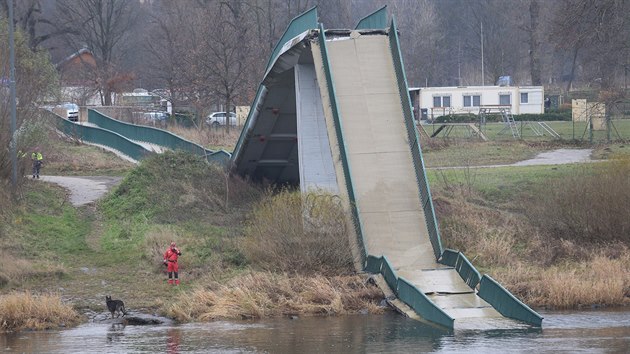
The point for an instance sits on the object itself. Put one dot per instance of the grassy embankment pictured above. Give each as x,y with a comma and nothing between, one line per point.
223,226
494,215
556,236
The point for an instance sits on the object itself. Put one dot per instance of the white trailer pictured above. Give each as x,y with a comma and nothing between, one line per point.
432,102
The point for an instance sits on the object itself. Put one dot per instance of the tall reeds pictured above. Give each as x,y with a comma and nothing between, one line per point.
24,310
264,294
599,280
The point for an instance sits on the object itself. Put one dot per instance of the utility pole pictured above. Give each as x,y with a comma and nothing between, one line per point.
13,143
482,72
459,62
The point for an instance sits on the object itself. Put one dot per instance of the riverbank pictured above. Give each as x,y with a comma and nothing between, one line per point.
225,227
555,236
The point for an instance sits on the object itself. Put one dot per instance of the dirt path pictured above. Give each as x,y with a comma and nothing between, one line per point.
85,189
553,157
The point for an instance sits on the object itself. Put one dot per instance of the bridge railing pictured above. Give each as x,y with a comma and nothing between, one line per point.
506,303
489,290
154,136
414,142
449,257
464,268
408,293
303,22
254,111
340,142
100,136
467,271
375,20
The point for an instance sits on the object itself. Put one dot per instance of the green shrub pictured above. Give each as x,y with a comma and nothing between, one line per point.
458,118
552,115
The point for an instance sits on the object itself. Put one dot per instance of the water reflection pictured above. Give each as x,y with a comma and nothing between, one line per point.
115,332
172,342
601,331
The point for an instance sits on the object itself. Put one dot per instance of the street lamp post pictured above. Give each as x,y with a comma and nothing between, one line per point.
13,143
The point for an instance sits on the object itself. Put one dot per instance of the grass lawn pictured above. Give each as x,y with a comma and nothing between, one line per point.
475,153
503,184
567,130
63,158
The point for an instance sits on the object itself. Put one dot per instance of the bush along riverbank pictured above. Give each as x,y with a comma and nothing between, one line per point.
556,236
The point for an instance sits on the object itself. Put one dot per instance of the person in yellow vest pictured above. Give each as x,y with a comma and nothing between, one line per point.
38,160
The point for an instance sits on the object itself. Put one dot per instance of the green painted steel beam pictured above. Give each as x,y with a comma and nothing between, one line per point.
303,22
375,20
414,141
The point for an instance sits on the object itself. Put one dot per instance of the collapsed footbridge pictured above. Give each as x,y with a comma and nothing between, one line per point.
333,113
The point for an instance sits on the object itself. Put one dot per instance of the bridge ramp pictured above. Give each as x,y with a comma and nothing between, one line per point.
383,175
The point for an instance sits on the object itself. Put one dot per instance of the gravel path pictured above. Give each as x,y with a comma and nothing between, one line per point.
554,157
87,189
558,157
84,189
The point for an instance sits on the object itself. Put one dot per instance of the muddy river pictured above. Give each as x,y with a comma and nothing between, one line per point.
597,331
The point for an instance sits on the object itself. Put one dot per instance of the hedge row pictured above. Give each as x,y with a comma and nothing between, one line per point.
553,115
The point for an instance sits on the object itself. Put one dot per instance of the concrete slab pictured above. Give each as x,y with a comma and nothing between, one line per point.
383,175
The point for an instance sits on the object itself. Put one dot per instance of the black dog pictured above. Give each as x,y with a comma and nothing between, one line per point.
115,306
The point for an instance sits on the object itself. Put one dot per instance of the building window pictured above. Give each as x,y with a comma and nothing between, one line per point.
504,100
441,101
472,100
524,97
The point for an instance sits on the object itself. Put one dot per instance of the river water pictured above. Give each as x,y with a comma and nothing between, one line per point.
601,331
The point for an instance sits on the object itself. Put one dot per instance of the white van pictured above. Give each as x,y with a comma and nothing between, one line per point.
69,111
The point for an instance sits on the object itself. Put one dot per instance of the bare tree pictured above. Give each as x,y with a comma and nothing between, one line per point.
422,40
596,33
165,48
102,26
36,80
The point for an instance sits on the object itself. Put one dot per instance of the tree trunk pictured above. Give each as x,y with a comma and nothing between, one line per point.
575,55
534,44
228,118
107,99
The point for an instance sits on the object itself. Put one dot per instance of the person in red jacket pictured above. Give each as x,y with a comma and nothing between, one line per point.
170,260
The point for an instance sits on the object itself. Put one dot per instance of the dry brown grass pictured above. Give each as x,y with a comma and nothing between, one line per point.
598,280
15,270
485,235
258,295
20,311
214,138
299,233
538,267
588,207
156,241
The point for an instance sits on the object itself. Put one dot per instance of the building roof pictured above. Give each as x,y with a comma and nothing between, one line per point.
74,55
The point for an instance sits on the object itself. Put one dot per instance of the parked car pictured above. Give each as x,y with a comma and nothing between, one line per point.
69,111
218,118
156,116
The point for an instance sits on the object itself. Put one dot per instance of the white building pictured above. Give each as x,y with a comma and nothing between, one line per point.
432,102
